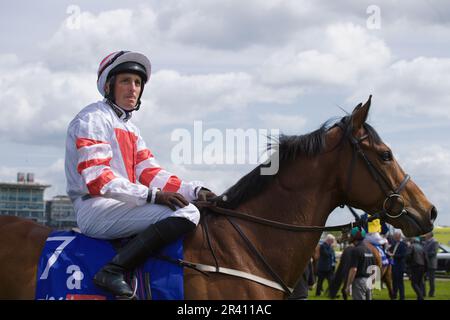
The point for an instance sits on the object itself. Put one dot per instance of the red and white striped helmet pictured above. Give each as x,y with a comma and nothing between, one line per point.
114,59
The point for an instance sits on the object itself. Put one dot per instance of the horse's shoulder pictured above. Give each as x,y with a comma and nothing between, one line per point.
13,222
22,227
7,220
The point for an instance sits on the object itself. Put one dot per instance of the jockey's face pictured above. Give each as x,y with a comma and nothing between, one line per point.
127,89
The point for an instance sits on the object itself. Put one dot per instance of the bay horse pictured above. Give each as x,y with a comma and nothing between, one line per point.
345,163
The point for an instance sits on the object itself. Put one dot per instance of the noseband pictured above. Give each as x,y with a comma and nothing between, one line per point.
392,194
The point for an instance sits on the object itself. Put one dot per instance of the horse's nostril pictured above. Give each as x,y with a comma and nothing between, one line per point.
433,214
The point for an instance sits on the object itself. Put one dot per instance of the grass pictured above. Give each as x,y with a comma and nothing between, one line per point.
442,235
442,292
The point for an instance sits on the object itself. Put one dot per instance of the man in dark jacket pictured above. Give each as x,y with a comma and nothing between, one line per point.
431,247
398,253
417,261
340,277
326,264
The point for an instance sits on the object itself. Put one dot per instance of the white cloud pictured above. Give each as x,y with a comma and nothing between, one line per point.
430,168
8,61
8,174
54,175
220,25
417,87
174,99
82,43
349,54
287,124
39,103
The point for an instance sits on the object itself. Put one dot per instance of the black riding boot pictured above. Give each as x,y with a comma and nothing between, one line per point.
137,250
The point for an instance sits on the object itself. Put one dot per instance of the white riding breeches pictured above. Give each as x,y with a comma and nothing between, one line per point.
107,218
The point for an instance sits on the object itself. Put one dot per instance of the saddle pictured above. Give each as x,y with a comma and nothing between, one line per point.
70,260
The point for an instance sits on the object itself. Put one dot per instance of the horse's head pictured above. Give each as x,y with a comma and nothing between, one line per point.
371,178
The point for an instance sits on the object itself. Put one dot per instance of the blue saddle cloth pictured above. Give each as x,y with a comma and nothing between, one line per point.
70,260
384,257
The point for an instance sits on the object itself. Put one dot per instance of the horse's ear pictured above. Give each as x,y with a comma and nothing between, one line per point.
360,113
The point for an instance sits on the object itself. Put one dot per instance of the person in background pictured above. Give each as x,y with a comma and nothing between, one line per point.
397,252
373,233
360,261
431,247
417,261
341,274
327,263
375,237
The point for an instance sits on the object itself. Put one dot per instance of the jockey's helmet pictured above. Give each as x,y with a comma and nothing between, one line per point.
122,62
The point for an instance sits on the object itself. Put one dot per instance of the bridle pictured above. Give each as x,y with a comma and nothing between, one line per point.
392,195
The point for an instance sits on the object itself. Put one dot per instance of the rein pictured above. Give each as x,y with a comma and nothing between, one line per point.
271,223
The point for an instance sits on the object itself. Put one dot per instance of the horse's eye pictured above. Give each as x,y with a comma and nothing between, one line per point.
386,156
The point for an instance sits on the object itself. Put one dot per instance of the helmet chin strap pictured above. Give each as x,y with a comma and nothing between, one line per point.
123,114
138,105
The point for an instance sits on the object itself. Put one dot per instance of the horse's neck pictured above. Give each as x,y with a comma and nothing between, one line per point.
304,192
305,206
308,207
305,201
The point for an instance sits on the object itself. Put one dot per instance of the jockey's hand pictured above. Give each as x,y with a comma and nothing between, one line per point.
171,199
205,195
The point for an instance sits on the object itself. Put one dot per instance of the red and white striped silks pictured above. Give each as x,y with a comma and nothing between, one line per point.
106,156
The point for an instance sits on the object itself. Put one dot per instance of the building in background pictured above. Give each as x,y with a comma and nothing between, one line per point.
23,199
60,213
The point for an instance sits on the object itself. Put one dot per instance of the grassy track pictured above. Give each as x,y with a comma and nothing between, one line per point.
442,235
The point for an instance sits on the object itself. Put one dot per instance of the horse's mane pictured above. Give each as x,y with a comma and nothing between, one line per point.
289,148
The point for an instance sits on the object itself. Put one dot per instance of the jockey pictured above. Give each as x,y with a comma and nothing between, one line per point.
374,233
117,187
374,230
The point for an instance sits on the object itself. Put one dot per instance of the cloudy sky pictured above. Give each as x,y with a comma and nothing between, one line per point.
231,64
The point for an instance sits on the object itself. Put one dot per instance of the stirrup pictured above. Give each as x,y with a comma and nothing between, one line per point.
134,296
104,279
